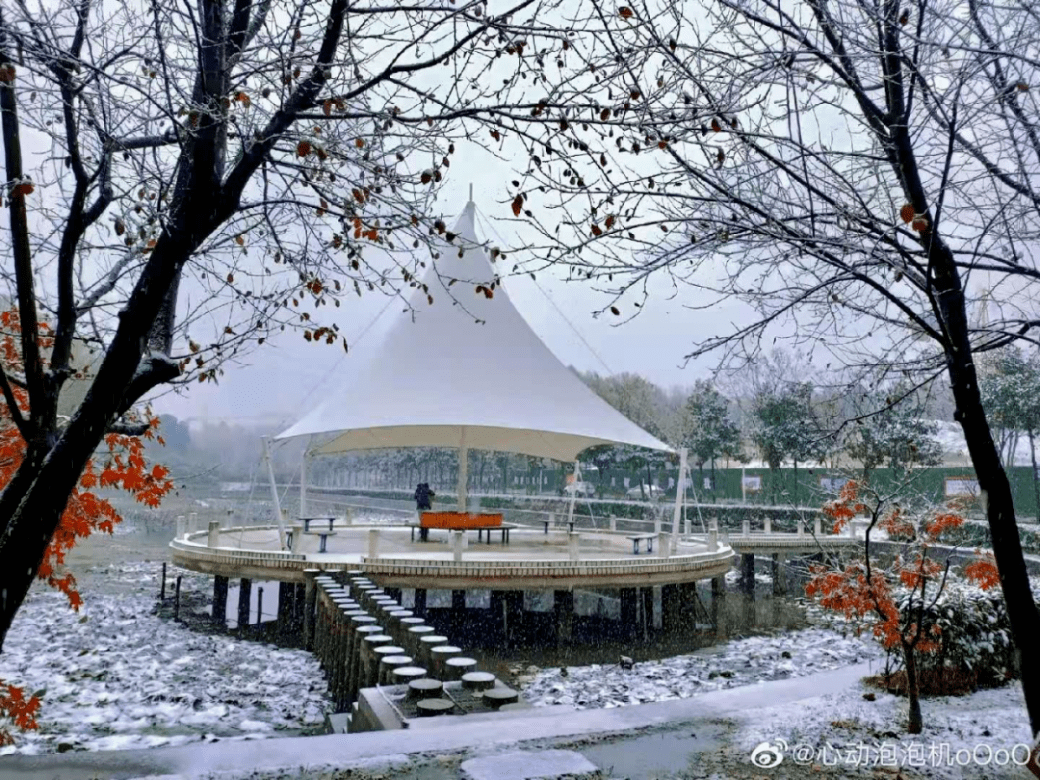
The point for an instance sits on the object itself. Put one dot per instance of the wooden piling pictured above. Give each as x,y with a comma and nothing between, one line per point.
177,600
718,603
220,594
245,587
628,611
671,607
162,588
310,593
647,612
563,609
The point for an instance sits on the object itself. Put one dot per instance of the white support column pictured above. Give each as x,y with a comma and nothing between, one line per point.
274,493
303,478
463,470
680,494
574,493
458,544
373,543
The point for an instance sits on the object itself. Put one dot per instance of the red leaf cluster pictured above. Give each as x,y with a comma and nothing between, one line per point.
848,591
120,463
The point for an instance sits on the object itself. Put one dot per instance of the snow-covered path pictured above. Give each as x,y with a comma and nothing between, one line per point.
114,676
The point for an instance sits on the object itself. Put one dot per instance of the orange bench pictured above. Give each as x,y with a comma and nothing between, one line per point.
458,521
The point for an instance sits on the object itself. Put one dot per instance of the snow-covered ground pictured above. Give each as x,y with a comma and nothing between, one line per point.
114,676
740,662
981,736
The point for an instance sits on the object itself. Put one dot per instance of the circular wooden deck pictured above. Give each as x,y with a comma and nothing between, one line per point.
533,560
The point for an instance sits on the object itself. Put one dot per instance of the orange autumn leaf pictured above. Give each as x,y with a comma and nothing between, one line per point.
983,571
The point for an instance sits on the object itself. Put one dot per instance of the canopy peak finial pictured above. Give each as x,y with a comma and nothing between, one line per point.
471,192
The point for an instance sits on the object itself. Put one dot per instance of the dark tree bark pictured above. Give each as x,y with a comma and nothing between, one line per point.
915,722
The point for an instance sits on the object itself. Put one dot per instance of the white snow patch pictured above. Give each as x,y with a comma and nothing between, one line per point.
115,677
961,740
740,662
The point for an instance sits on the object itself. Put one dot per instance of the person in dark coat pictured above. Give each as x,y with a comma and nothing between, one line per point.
423,494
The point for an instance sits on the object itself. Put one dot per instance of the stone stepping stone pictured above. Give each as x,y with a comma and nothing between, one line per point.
425,688
496,697
440,654
403,675
427,642
428,708
388,664
478,681
455,668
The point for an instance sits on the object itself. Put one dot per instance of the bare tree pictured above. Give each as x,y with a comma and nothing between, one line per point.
844,168
181,179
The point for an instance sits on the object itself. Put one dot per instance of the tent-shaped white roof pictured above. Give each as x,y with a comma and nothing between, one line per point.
468,373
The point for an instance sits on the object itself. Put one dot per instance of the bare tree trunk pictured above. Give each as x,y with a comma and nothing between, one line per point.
994,486
914,720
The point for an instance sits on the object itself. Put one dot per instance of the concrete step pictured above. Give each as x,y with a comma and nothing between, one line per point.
337,723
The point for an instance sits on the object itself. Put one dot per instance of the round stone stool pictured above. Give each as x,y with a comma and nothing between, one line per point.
478,681
384,651
425,688
403,675
496,697
369,661
428,708
387,665
456,668
428,641
414,635
440,654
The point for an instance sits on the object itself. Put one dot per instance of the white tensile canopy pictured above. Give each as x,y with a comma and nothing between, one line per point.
466,373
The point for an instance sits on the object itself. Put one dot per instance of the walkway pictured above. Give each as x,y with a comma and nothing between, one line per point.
440,735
